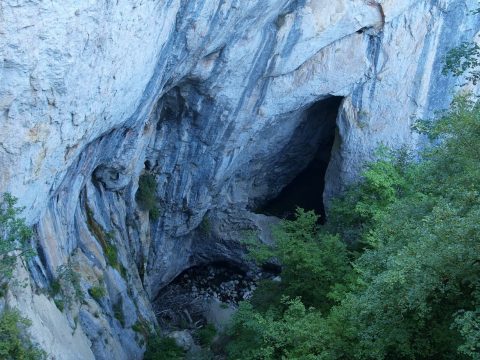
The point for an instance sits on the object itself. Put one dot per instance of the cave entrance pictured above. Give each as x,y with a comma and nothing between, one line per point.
205,291
306,188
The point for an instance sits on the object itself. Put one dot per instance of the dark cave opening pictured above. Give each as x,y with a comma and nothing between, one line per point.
186,301
306,188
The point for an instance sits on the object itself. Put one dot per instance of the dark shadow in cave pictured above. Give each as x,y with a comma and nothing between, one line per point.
185,301
306,189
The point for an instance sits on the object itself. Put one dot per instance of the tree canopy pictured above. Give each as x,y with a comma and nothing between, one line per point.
395,274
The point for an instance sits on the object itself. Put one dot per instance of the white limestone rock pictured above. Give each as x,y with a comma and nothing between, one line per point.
210,96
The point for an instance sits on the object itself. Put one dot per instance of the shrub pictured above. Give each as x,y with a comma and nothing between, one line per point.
293,332
60,304
267,295
141,327
14,342
154,213
97,292
66,286
163,348
205,226
312,263
105,239
146,195
14,236
3,289
206,334
118,312
55,287
111,255
464,59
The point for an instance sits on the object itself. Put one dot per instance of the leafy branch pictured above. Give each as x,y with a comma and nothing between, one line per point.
15,236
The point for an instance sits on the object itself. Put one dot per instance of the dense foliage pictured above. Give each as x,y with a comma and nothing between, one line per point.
146,195
14,245
407,287
464,60
14,236
14,344
163,348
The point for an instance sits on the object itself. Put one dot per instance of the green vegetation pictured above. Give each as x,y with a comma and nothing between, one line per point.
205,226
464,59
118,312
55,287
105,239
14,341
111,255
163,348
141,327
97,292
66,287
15,237
146,195
60,304
206,335
395,273
3,289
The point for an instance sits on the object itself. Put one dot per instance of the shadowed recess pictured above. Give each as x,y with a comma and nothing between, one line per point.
306,188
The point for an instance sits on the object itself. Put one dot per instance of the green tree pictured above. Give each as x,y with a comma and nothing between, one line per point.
293,333
163,348
146,195
312,262
14,341
382,182
414,291
464,59
15,236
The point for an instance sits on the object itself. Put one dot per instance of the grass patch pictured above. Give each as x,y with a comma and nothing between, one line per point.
111,255
105,239
141,327
97,292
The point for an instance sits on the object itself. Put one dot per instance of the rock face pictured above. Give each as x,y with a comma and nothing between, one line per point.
212,98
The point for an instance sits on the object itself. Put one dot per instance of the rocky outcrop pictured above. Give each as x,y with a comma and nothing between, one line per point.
210,97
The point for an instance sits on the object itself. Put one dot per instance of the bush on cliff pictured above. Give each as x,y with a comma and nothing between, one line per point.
146,195
14,341
163,348
15,237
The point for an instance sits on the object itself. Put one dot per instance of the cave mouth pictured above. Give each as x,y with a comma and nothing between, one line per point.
218,286
305,190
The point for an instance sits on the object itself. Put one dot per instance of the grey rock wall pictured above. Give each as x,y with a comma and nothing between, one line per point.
212,98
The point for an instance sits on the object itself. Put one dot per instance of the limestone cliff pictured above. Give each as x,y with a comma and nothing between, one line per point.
215,99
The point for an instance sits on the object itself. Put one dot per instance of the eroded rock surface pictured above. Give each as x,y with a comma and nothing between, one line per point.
212,98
